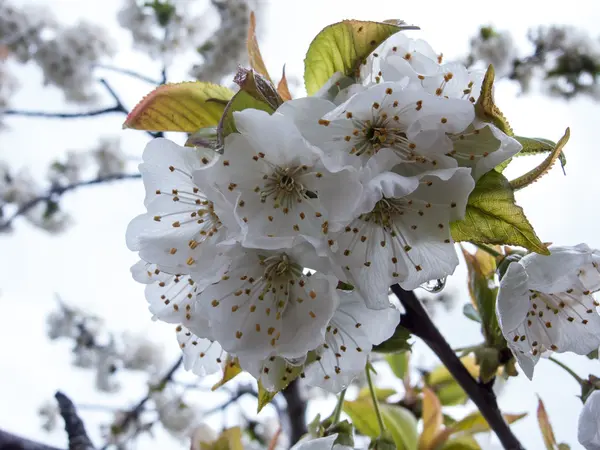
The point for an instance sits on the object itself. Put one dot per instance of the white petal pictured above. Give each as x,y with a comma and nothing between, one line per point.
351,334
588,430
201,356
256,317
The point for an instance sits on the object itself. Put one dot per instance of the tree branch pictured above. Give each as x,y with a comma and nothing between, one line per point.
129,73
418,322
78,438
9,441
58,115
57,191
296,410
134,412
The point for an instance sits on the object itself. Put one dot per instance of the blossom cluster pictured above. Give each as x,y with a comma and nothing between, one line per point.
280,251
65,54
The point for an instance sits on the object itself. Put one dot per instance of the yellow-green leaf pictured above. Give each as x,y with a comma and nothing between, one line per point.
399,363
492,217
399,422
382,394
472,424
256,60
240,101
343,47
546,427
231,369
482,267
185,107
432,419
535,174
462,443
229,439
282,88
445,386
486,108
264,396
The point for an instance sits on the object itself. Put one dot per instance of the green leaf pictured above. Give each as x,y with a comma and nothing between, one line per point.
343,47
229,439
462,443
472,424
399,421
482,267
486,108
545,426
492,217
398,363
231,369
382,394
240,101
441,381
397,343
186,107
264,396
535,174
470,312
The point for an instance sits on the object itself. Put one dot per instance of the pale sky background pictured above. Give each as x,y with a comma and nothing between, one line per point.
89,265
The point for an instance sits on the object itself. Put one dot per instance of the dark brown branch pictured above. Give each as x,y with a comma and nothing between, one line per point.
418,322
296,410
9,441
78,438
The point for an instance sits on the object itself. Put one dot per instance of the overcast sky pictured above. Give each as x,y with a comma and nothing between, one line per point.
89,265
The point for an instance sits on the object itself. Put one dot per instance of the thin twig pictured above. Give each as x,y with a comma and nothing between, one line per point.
58,190
59,115
241,391
130,73
296,410
78,438
137,410
418,322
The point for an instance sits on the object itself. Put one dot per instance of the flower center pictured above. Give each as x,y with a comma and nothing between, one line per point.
284,187
384,211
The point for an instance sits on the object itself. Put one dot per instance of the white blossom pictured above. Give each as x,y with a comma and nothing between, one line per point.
109,157
226,49
140,353
107,364
588,430
159,37
497,48
67,60
341,356
21,28
545,304
183,230
401,233
50,415
176,416
278,184
265,304
351,333
411,122
203,434
69,170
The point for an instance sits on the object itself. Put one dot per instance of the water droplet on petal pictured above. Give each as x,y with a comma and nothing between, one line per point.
434,286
